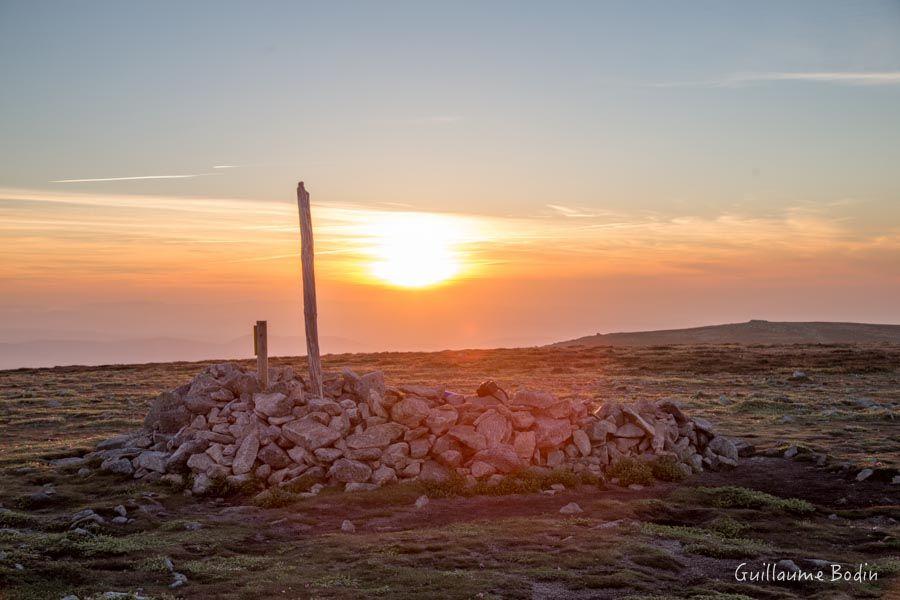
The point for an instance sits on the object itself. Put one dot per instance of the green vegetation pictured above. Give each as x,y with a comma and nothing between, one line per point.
523,482
16,519
707,542
631,470
738,497
666,468
727,527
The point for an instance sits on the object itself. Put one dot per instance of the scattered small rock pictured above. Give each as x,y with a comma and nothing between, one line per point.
71,461
791,452
348,527
864,474
571,508
121,511
180,579
787,565
86,516
40,499
421,502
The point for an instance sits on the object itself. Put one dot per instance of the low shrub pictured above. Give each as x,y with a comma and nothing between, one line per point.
739,497
275,497
631,470
666,468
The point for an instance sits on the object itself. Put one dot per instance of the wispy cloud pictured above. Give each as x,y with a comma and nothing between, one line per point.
844,77
571,212
49,233
860,78
188,176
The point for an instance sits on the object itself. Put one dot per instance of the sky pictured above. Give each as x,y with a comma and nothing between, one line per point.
481,174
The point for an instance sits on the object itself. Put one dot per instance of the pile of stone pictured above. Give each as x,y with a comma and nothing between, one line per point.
364,434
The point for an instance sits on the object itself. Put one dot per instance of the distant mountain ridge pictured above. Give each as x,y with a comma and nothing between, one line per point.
751,332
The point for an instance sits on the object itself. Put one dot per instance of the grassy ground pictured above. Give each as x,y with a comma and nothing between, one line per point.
665,541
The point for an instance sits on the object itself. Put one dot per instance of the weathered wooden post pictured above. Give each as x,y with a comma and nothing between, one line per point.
309,291
261,349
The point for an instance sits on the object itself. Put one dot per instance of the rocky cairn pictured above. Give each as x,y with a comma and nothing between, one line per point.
364,434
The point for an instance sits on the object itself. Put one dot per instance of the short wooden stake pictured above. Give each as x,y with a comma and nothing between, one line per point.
261,349
309,291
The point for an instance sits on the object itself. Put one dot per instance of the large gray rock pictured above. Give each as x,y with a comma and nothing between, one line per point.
201,462
273,405
324,405
601,430
582,442
188,448
724,447
329,455
361,385
152,460
502,457
703,425
638,420
199,405
396,455
524,443
167,414
495,428
377,436
630,430
433,472
245,456
410,411
119,466
384,475
467,436
272,455
350,471
673,409
571,508
440,420
309,434
422,391
551,433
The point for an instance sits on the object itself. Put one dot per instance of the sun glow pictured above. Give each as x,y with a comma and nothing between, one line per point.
416,250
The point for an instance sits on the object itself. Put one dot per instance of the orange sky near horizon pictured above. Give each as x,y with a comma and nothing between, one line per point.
526,279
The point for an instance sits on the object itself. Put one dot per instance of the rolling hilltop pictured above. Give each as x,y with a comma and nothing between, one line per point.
751,332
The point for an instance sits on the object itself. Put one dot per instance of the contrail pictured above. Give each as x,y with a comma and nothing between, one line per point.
128,178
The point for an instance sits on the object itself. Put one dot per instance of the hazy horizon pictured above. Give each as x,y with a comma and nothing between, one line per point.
510,174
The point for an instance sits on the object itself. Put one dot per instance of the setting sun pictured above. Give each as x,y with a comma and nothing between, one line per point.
415,250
